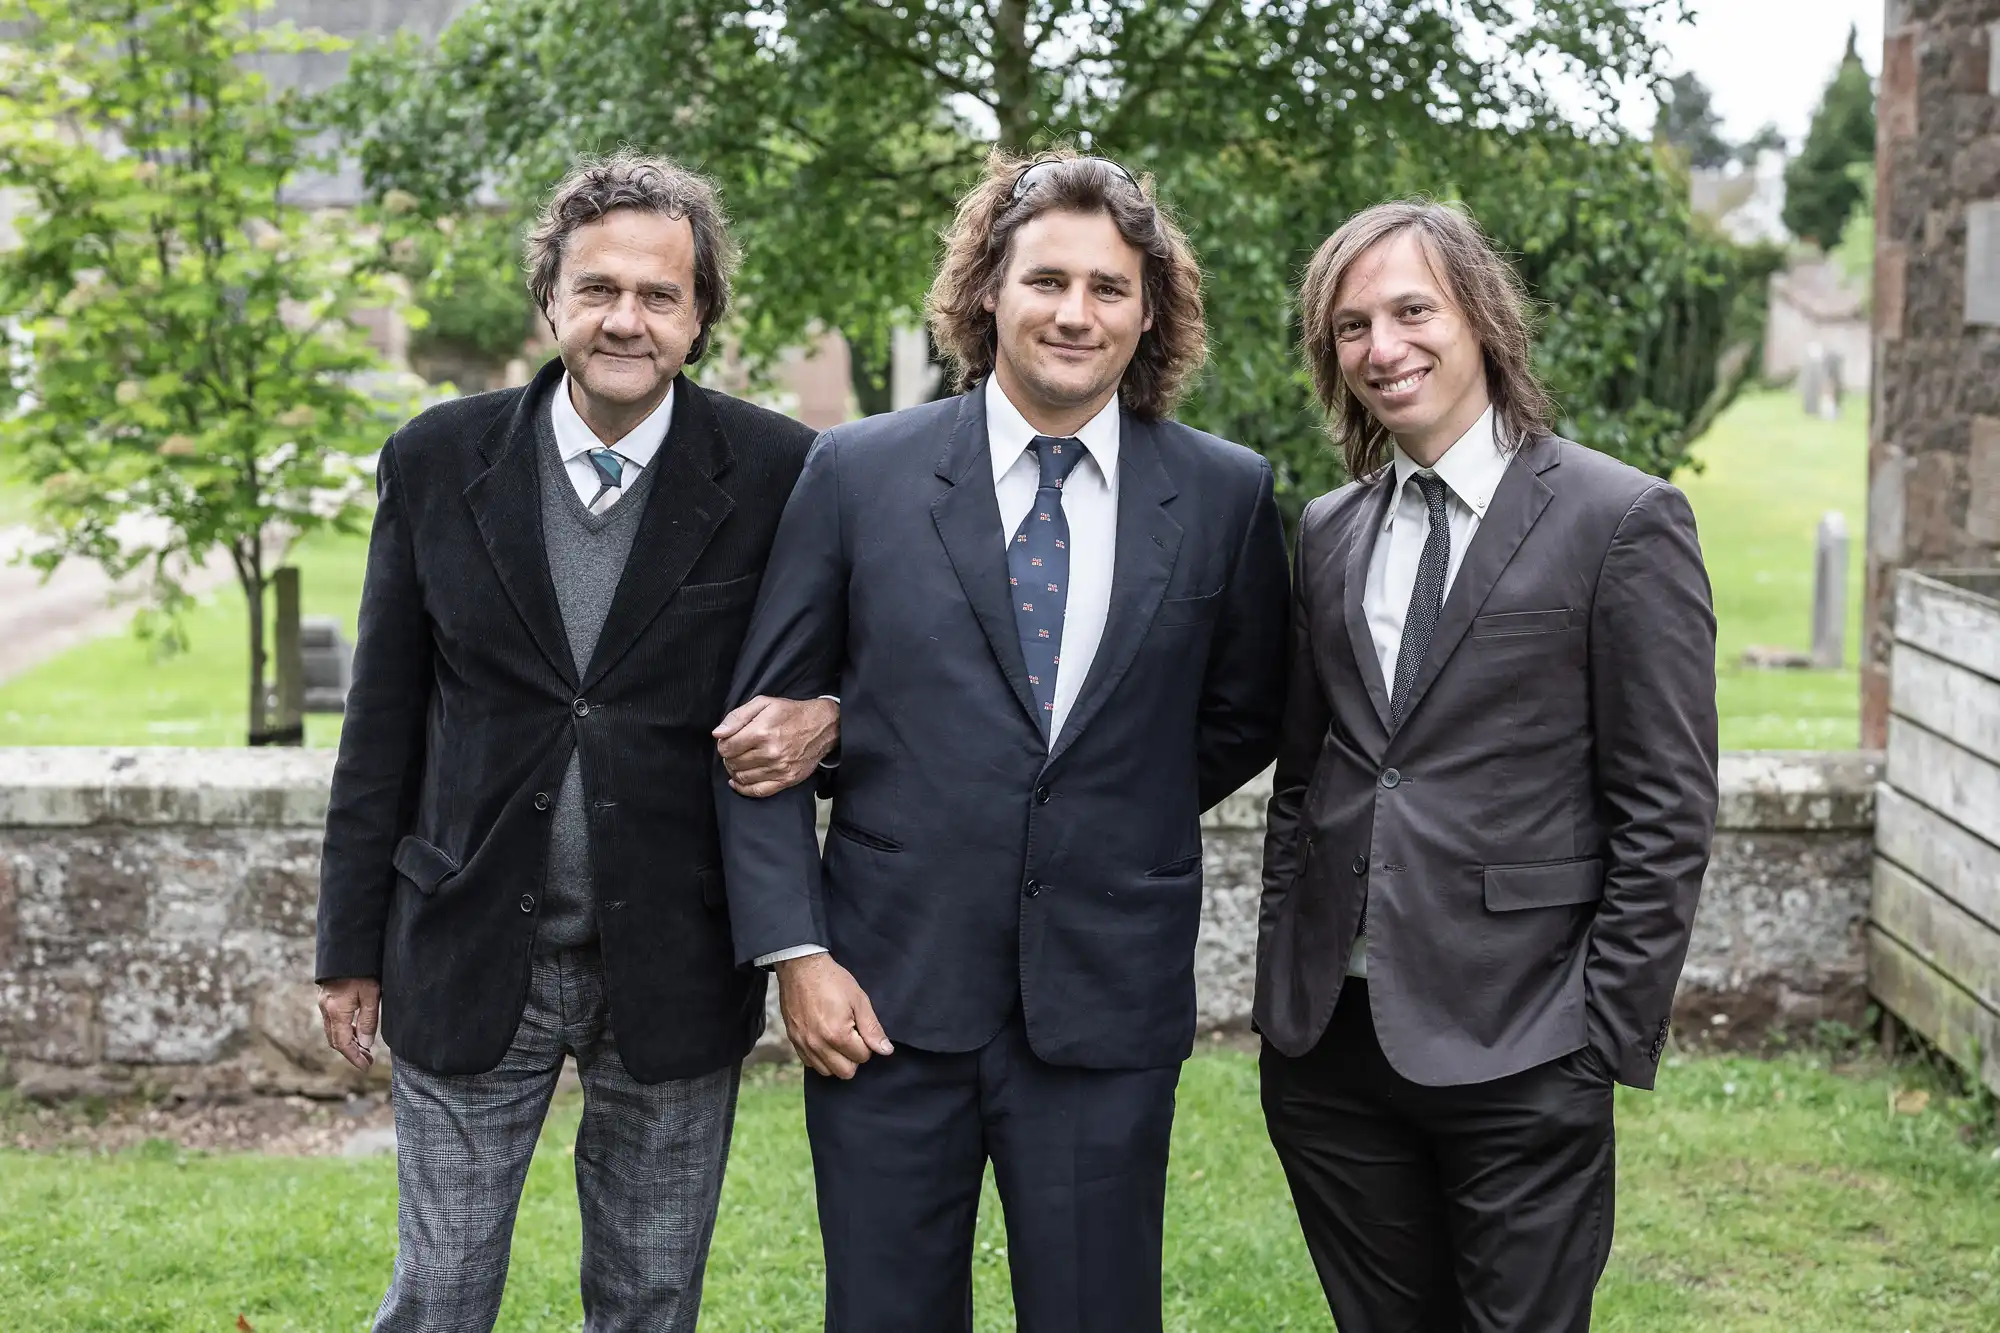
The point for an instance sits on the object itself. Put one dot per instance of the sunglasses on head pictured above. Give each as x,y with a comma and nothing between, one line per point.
1036,172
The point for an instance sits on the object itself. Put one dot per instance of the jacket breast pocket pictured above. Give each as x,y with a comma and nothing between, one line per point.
715,596
1188,610
1544,884
425,866
1507,624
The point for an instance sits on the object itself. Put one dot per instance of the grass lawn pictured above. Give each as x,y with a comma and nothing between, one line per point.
1754,1197
1767,474
113,691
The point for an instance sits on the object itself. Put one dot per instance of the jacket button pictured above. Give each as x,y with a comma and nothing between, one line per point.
1041,796
1360,865
1031,888
527,902
581,708
1390,777
541,800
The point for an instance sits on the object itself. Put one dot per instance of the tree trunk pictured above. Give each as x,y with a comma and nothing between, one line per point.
1013,74
250,574
870,380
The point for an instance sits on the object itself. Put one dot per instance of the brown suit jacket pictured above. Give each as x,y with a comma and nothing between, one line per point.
1531,840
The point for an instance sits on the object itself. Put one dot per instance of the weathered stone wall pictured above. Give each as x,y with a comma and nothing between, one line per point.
1934,453
156,915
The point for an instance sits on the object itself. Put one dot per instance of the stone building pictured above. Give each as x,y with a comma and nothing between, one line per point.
1934,451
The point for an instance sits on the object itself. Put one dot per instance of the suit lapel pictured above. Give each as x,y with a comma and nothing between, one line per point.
1148,543
506,501
968,523
1517,503
1360,550
683,511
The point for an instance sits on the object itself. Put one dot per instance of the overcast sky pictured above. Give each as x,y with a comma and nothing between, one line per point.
1764,60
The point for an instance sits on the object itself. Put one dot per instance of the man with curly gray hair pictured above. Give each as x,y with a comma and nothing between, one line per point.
521,861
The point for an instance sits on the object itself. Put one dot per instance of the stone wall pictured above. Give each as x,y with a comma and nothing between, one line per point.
156,915
1934,453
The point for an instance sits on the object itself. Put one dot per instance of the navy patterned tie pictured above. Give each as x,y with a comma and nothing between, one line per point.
1038,570
1426,597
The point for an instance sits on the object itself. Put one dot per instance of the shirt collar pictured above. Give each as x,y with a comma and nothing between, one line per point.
1471,468
574,437
1008,434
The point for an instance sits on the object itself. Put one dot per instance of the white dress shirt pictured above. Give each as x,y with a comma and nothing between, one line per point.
575,439
1471,470
1090,503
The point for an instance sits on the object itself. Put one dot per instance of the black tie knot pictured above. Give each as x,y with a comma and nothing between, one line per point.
1057,455
1432,485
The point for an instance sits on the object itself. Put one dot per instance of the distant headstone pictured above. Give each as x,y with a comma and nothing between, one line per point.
329,664
1819,382
1829,611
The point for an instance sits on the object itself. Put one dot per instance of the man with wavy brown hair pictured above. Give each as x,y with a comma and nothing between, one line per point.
1493,805
1056,622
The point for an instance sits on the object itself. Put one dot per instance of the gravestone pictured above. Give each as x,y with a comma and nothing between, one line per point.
1829,612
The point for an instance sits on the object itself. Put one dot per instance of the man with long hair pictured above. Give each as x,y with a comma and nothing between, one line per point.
1492,806
1056,622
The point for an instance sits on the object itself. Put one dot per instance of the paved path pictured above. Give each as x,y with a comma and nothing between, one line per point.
78,603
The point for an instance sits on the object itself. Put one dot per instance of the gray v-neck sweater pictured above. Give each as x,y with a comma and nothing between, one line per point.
587,554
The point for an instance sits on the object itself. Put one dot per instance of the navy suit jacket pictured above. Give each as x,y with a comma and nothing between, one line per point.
972,866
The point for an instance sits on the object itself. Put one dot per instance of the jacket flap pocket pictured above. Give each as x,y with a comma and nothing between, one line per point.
1185,865
715,596
1520,622
710,880
422,864
1546,884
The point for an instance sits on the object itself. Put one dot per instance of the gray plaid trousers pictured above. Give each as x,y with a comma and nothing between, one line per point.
649,1161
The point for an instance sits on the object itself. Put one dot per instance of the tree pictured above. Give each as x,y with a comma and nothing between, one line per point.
1687,120
1769,138
843,133
189,377
1820,191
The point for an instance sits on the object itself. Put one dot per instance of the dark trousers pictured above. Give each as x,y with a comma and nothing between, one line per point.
1079,1155
1483,1208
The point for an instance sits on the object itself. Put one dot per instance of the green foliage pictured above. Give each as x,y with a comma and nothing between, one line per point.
1820,189
1855,255
465,275
188,377
1687,120
842,135
1767,138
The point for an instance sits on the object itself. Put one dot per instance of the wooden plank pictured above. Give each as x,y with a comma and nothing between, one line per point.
1937,930
1953,622
1940,853
1947,699
1951,780
1927,1002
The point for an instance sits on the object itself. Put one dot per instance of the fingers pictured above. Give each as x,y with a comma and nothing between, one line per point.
739,717
338,1011
868,1028
762,788
367,1020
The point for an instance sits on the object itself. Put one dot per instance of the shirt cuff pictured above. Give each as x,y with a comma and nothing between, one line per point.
786,955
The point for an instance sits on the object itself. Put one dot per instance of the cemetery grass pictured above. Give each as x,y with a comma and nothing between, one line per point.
118,690
1754,1197
1766,474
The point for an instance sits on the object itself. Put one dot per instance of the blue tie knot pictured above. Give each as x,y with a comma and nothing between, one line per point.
1058,456
610,467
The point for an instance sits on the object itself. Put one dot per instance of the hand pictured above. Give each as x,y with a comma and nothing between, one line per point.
350,1009
770,744
828,1017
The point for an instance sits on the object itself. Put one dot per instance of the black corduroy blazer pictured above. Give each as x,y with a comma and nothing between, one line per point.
465,709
